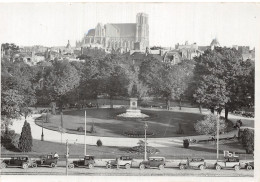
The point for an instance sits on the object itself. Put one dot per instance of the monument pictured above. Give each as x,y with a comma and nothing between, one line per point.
133,111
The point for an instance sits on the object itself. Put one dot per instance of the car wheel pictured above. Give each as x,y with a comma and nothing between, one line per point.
182,167
108,166
202,167
218,167
34,165
71,166
53,165
25,166
3,165
127,166
90,166
142,166
249,168
161,167
237,168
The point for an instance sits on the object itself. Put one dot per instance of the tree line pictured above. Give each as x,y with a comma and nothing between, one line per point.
218,80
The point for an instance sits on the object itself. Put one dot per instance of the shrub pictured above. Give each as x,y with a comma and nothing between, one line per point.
208,126
92,129
99,143
25,140
247,139
186,143
180,130
80,129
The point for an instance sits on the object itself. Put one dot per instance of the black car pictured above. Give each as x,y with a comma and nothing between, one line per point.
250,166
88,161
19,161
48,160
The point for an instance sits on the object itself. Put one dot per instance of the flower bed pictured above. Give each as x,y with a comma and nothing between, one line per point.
140,150
138,133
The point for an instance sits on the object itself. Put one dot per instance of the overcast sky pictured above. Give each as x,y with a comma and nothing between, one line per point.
53,24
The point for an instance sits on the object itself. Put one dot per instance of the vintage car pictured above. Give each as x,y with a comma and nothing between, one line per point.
228,162
48,160
19,161
123,161
88,161
250,165
197,163
153,162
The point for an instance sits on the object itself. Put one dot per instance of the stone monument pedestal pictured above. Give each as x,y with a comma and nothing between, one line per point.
133,111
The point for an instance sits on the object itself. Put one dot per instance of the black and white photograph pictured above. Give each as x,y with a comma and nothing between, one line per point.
116,89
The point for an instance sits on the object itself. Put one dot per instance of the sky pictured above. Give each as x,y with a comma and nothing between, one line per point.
53,24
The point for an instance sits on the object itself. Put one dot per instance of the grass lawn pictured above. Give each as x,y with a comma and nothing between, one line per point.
206,150
162,123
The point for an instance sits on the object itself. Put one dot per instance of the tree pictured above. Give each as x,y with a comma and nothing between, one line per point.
247,138
25,140
166,81
114,77
208,126
136,87
59,81
217,79
17,90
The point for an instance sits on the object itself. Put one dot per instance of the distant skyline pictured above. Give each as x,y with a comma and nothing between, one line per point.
53,24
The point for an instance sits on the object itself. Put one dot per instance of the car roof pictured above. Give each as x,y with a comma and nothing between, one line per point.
156,157
89,156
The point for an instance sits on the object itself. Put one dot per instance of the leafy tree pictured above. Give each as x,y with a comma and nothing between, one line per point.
247,138
114,77
18,91
169,82
25,140
10,49
208,126
217,79
136,88
91,83
59,80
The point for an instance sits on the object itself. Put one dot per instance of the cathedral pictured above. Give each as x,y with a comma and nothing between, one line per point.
119,36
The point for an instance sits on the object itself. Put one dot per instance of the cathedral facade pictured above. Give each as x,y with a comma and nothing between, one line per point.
119,36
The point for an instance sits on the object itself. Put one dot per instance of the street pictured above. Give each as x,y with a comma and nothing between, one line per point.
102,171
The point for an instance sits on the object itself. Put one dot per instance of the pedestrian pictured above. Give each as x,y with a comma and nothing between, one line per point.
56,155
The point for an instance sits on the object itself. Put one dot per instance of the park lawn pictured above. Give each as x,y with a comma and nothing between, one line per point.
161,123
206,150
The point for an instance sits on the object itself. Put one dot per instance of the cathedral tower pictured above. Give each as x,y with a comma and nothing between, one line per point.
142,30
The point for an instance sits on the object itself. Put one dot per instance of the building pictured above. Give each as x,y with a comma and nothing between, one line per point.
245,52
114,36
188,51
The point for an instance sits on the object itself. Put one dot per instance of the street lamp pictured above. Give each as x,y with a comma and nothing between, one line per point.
42,136
145,153
217,135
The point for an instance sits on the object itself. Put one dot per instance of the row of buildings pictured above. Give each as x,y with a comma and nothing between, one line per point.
130,39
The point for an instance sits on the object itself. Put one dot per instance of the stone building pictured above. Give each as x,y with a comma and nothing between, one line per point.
115,36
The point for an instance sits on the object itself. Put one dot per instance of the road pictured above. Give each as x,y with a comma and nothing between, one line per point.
102,171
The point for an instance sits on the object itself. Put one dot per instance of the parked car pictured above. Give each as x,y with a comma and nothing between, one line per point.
48,160
250,165
123,161
19,161
153,162
197,163
88,161
229,162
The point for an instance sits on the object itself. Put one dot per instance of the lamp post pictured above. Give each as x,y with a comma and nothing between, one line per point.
217,135
145,153
42,136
